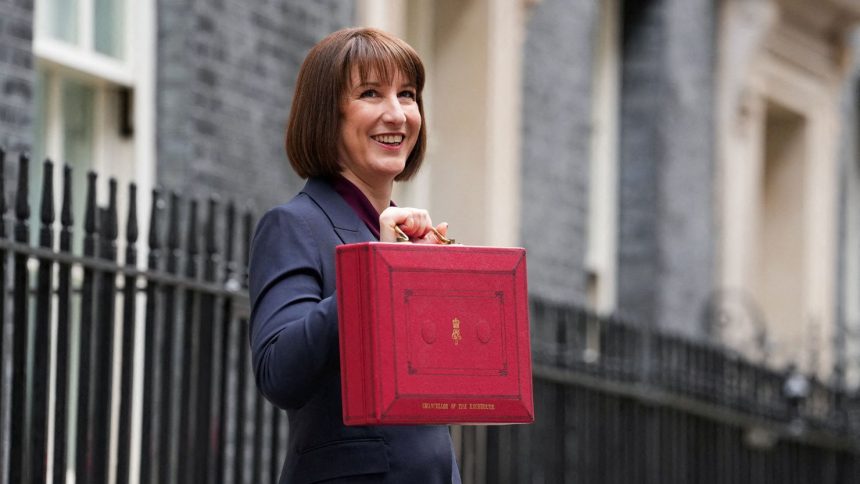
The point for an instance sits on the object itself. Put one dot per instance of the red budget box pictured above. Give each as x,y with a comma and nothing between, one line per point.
433,334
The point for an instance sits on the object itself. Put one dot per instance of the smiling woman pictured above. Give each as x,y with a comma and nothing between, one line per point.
324,82
356,125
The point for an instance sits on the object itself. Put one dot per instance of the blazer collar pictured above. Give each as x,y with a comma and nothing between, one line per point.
346,223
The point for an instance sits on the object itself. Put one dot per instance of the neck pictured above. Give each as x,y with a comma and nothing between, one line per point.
379,194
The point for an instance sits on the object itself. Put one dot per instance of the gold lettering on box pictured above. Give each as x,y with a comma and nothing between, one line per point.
482,406
455,334
434,406
473,406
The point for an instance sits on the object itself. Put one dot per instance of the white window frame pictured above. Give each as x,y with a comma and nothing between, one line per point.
82,55
601,254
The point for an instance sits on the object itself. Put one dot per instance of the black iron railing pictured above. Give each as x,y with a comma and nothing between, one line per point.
188,379
615,402
614,351
620,403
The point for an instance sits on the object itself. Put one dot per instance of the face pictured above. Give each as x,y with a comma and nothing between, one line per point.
379,127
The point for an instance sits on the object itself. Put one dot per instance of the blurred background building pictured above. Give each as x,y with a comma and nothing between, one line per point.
690,167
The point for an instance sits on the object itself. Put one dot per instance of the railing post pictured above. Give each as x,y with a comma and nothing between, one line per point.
206,342
2,275
149,454
166,440
275,454
128,341
261,408
189,346
244,369
42,333
259,436
231,284
19,442
241,410
103,337
63,316
84,441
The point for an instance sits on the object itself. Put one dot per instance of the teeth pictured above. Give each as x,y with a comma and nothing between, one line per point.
389,139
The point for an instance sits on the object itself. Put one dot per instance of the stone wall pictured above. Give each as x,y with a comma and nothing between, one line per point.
556,130
17,76
667,237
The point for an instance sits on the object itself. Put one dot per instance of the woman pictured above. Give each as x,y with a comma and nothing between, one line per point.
356,126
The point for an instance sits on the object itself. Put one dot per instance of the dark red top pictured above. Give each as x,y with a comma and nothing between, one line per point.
359,203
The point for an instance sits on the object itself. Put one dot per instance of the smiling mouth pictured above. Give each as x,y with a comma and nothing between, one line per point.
389,139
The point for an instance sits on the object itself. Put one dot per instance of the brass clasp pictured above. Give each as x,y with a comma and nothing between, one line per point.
402,237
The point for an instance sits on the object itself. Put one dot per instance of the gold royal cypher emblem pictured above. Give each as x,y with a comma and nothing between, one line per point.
455,335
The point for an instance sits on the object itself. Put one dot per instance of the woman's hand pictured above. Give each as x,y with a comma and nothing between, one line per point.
414,222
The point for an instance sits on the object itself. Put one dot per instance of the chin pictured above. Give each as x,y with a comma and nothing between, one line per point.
392,169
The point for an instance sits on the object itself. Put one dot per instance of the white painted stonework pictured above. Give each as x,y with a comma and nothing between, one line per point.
781,68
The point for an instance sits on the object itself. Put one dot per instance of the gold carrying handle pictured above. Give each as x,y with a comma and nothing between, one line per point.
402,237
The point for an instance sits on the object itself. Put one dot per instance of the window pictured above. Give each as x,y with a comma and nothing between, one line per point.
89,24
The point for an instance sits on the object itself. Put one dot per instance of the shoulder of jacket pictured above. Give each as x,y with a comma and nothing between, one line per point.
301,206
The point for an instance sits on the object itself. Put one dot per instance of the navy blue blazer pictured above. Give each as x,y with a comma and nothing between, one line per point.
294,345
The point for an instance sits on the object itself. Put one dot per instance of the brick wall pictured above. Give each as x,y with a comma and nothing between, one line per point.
555,145
16,75
667,237
226,72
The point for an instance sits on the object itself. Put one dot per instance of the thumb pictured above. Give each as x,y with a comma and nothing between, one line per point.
443,228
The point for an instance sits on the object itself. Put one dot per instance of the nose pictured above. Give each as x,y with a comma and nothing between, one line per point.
393,112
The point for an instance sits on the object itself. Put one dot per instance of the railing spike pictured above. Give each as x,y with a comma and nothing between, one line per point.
191,240
103,222
211,242
111,228
173,227
22,206
3,206
91,219
248,225
131,220
154,240
66,218
47,209
229,229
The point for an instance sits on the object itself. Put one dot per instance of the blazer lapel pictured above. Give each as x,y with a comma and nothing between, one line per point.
343,219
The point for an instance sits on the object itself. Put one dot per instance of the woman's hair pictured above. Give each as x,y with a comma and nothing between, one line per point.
313,130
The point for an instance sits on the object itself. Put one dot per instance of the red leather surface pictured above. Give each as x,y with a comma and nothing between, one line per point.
433,334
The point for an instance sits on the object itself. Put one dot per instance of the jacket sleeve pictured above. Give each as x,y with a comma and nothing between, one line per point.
293,329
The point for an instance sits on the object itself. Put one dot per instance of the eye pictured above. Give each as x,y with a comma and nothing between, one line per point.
407,94
368,93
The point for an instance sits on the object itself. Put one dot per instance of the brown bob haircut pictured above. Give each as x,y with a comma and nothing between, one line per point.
322,85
